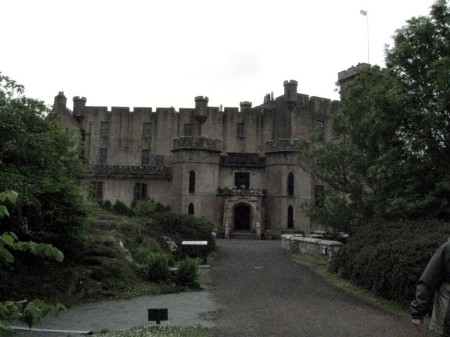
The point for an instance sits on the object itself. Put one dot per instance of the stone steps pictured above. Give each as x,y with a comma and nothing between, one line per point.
243,236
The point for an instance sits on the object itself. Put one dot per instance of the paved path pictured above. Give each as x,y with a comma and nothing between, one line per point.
185,309
261,292
254,289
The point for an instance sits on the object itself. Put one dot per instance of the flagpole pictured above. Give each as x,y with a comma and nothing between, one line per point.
366,14
368,44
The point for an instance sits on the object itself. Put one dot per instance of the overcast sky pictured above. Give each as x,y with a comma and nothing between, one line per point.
162,53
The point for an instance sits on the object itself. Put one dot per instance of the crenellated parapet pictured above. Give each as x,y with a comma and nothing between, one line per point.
129,172
196,143
281,145
347,75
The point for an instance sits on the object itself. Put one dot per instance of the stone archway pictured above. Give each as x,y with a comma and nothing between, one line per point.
242,217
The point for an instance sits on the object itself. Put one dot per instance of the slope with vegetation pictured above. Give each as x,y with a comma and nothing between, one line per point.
108,251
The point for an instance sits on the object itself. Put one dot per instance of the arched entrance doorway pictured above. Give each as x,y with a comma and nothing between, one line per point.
242,217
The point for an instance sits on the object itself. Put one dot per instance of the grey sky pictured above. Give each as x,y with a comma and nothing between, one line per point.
164,53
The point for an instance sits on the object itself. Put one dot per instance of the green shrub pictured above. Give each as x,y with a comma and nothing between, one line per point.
106,205
181,227
158,267
148,207
187,273
120,208
389,258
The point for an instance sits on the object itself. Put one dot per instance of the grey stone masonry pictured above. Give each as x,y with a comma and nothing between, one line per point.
295,243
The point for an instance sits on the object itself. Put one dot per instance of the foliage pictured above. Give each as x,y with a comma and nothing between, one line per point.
25,311
120,208
147,207
30,313
182,227
50,207
159,331
158,267
389,159
187,273
388,258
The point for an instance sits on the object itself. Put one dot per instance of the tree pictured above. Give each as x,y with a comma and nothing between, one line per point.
39,161
29,312
391,154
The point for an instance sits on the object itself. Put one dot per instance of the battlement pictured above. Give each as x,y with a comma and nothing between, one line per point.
77,98
196,143
290,82
130,172
201,98
348,74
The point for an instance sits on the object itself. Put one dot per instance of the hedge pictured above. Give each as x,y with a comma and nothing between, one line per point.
389,258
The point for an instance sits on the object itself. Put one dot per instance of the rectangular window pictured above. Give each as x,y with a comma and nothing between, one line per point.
187,130
240,133
140,191
319,197
97,190
242,180
104,129
147,129
103,156
145,159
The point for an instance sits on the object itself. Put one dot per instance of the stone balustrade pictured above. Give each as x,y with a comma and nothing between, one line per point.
226,191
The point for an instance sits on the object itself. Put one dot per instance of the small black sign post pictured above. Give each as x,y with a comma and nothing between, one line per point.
158,315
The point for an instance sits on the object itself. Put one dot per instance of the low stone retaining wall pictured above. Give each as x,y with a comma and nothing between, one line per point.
296,243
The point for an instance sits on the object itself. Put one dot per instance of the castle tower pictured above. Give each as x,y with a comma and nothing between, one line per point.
288,186
201,112
245,106
60,103
349,74
290,94
196,172
79,107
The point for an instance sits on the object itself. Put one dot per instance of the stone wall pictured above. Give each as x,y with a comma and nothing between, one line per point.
297,243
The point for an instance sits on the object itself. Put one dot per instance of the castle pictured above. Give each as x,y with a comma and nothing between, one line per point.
237,166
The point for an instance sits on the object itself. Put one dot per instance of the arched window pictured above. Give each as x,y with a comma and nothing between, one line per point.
290,217
192,181
191,209
290,184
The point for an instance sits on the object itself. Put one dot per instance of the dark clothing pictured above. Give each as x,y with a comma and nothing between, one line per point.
435,276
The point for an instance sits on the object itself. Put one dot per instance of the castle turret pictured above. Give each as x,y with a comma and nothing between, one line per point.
245,106
290,94
79,106
346,76
201,112
201,109
60,103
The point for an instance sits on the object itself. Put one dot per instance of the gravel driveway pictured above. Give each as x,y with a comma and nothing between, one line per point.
261,292
253,290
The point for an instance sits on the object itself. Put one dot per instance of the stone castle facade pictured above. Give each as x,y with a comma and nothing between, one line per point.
236,166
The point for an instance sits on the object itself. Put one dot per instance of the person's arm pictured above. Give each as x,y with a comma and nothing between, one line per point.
429,282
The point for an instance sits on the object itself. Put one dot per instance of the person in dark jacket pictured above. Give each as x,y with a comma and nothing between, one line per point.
434,282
